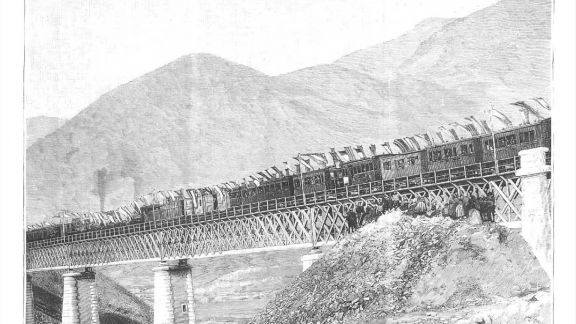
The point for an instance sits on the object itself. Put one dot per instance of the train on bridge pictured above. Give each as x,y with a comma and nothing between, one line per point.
481,154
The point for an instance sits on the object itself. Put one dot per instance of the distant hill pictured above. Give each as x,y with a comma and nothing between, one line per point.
40,126
203,120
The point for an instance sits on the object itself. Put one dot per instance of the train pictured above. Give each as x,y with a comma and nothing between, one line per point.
389,171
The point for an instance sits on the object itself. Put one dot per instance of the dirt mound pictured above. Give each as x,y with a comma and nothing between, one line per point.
402,267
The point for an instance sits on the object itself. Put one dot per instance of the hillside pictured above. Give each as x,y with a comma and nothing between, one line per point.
203,120
445,69
117,305
40,126
227,289
419,270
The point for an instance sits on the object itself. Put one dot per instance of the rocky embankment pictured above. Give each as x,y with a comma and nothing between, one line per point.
419,270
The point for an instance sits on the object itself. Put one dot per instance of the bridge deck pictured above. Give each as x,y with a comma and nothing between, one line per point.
317,219
403,184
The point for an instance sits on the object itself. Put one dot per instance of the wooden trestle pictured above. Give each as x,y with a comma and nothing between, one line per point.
320,222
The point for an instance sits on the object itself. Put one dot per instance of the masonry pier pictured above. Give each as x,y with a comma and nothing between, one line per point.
309,259
173,294
536,204
29,302
80,298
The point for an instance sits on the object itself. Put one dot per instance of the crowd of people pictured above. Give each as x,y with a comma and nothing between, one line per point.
459,205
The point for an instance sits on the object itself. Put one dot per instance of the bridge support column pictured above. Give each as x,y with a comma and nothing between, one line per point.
536,205
173,294
80,299
308,259
88,298
70,307
29,302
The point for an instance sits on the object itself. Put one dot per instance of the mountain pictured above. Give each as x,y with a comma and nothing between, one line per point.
203,120
40,126
445,69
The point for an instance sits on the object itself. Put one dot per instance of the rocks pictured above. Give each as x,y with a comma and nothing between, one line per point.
474,217
410,270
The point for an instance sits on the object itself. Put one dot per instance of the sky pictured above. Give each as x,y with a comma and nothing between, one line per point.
77,50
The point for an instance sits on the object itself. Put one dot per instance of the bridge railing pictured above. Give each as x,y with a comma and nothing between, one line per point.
468,172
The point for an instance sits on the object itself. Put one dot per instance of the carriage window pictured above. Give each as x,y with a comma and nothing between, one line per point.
400,164
296,182
500,142
413,160
437,155
511,139
454,151
466,149
488,145
526,137
447,153
386,165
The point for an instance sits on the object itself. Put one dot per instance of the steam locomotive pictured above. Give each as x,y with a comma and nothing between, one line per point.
379,173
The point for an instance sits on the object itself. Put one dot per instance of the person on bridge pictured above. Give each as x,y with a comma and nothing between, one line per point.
351,220
420,207
490,205
361,211
396,200
386,203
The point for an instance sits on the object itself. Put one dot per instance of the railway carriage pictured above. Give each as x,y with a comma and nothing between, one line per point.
313,181
464,158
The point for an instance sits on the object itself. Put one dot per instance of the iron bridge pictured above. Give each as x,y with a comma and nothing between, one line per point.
316,219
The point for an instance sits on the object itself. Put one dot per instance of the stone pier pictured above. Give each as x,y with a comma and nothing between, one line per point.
173,294
70,309
80,298
29,302
88,298
536,205
308,259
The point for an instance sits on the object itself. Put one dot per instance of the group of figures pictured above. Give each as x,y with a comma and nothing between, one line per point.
459,205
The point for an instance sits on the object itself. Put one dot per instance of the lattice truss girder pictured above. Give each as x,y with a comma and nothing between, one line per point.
507,194
280,228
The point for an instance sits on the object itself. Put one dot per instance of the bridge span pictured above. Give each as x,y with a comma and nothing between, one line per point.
313,221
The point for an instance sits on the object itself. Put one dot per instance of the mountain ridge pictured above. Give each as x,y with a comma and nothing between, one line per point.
202,120
38,127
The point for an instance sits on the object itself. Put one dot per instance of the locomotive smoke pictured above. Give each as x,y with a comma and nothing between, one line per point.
101,179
